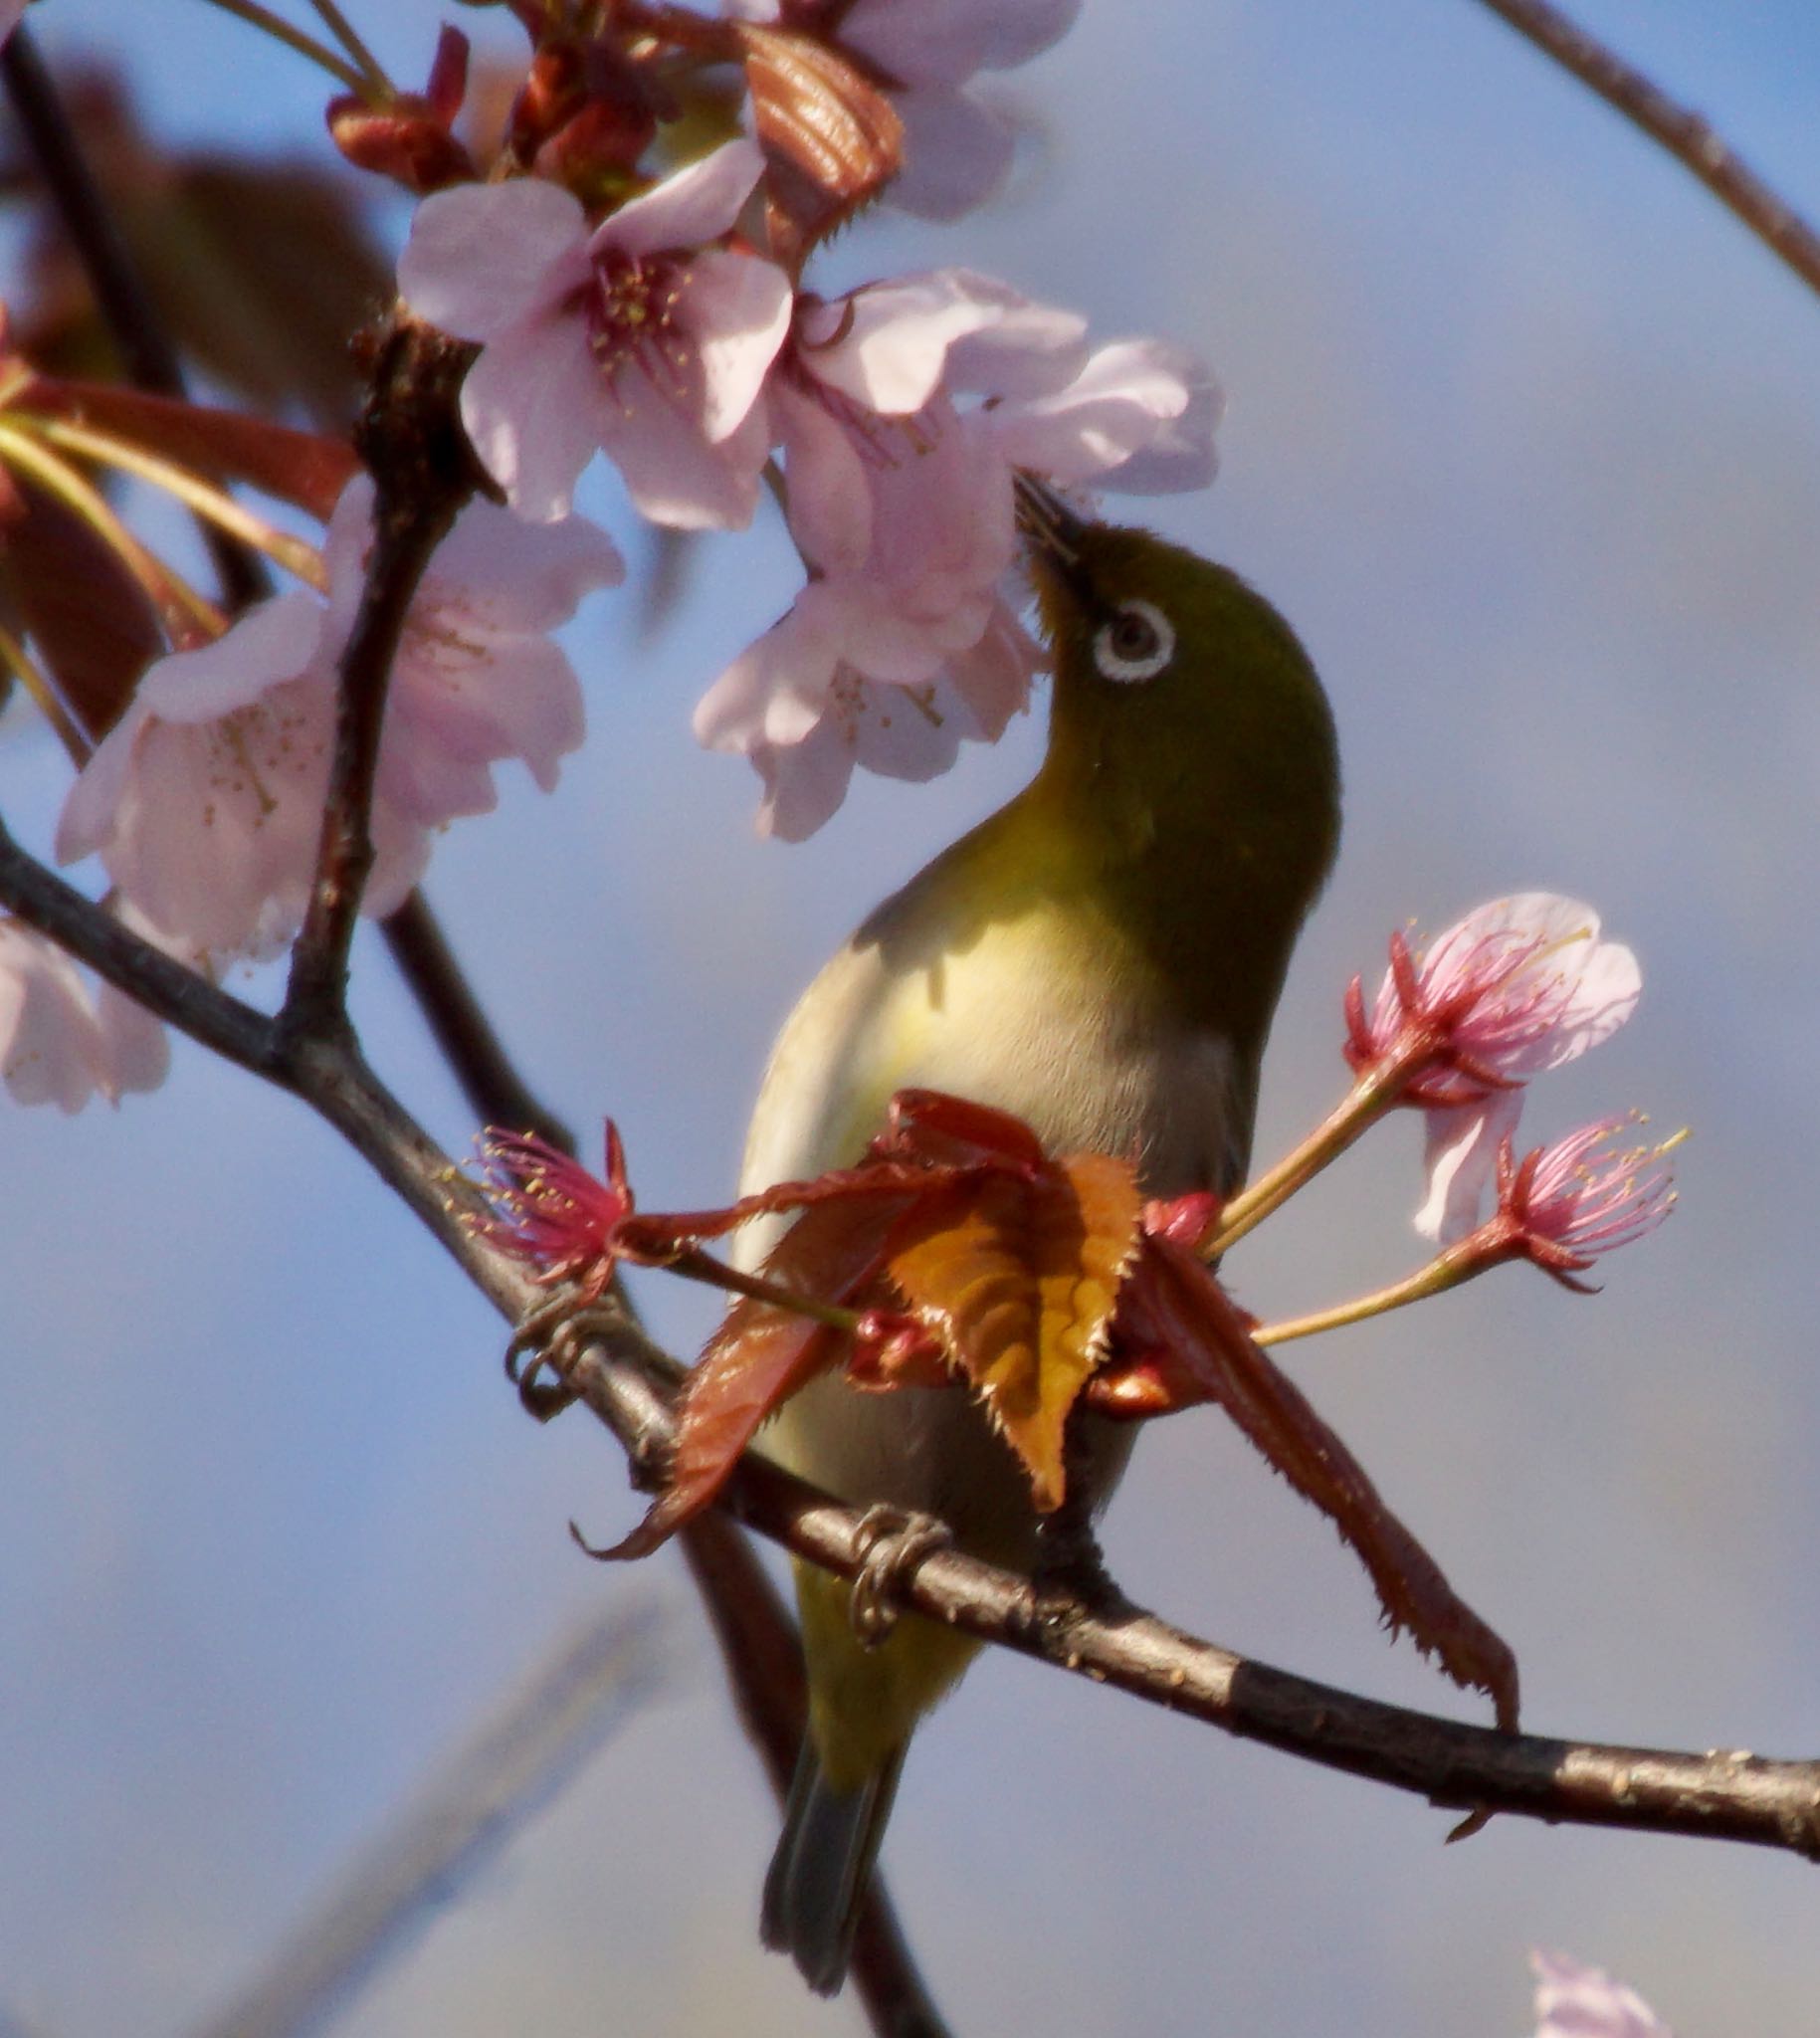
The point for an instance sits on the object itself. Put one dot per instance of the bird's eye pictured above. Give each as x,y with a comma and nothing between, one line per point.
1135,645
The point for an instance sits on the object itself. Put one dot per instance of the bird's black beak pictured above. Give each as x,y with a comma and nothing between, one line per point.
1053,530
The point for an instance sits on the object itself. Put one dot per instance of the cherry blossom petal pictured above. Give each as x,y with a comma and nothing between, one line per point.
457,718
482,258
205,801
829,497
1132,399
890,346
739,311
1599,981
519,577
673,475
535,407
772,694
1460,1160
278,639
1575,2001
136,1045
993,675
958,153
477,678
943,42
51,1050
697,204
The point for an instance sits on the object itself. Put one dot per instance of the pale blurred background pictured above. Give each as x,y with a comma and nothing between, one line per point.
1522,436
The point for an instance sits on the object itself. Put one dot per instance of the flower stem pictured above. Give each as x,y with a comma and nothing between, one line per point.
1472,1256
348,37
1368,1100
295,554
25,668
280,31
188,617
693,1264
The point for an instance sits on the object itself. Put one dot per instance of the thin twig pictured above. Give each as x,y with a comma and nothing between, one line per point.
496,1094
1687,135
1722,1795
465,1815
280,30
630,1385
423,473
146,350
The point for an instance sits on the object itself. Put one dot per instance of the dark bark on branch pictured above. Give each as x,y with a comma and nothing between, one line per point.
496,1092
1721,1795
424,470
1718,1795
1687,135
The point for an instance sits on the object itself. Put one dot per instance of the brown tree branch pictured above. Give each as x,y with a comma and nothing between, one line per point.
1687,135
1718,1795
1721,1795
424,470
496,1092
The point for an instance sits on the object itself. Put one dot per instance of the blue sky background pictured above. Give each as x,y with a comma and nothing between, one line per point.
1523,437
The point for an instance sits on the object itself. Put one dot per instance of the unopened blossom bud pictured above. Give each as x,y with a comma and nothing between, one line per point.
409,139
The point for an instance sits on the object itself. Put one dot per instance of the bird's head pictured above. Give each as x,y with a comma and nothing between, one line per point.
1186,719
1192,760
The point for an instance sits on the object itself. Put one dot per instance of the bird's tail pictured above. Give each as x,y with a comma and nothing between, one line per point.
819,1875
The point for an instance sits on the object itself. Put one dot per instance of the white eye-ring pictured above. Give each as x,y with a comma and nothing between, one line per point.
1137,644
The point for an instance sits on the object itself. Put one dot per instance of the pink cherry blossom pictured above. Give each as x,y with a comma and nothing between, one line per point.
1519,987
956,149
57,1043
205,802
1140,416
1574,2001
907,730
900,503
643,335
1565,1205
477,677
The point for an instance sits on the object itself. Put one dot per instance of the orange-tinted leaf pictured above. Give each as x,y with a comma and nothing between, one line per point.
310,468
761,1354
88,617
831,138
1174,1302
1020,1274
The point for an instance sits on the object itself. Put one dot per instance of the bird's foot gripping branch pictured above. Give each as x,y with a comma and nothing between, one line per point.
961,1254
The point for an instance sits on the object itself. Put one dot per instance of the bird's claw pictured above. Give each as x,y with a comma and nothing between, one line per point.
891,1543
549,1339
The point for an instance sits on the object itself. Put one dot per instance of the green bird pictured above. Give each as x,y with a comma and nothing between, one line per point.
1101,957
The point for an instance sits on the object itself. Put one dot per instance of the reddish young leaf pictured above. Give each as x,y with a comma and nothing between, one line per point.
310,468
90,619
937,1128
761,1354
1020,1274
1173,1305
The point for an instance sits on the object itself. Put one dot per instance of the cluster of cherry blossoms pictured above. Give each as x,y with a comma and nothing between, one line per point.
897,415
661,316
